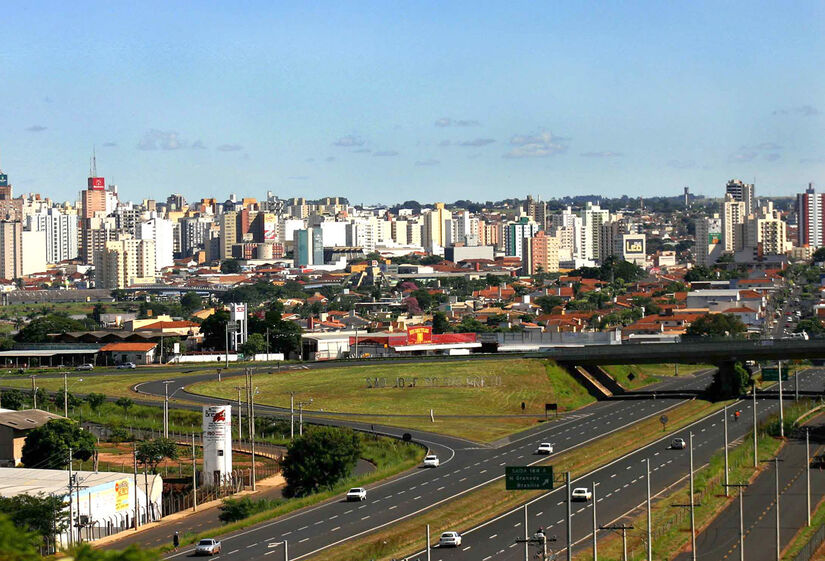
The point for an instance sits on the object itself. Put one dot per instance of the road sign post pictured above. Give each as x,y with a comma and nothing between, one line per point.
663,419
528,478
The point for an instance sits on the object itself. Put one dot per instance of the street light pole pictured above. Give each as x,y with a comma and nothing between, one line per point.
291,415
741,487
595,526
569,519
775,462
781,405
727,471
66,395
692,516
649,515
755,438
808,471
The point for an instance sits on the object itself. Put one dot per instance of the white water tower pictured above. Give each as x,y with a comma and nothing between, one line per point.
217,444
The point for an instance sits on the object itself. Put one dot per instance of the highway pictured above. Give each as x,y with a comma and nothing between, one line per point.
621,485
465,466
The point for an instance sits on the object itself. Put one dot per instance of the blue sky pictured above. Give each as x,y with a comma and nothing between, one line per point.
384,102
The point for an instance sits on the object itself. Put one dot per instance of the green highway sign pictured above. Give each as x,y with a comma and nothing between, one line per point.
528,478
772,374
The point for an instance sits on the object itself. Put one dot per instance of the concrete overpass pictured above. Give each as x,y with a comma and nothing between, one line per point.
714,351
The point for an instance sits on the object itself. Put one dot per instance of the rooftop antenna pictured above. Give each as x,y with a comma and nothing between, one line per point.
94,162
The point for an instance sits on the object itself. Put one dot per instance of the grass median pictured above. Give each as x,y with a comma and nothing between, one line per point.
405,537
476,399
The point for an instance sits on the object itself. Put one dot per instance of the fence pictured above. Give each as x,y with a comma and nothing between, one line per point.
808,550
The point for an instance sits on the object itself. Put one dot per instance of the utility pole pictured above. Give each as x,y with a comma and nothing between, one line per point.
727,471
741,518
781,405
291,416
569,519
595,526
194,477
134,481
267,343
252,424
624,530
692,506
166,407
71,500
795,385
34,392
240,415
226,330
649,515
66,395
526,536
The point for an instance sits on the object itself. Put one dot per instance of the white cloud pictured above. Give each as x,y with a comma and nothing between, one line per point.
385,153
349,141
606,154
161,140
110,144
36,128
448,122
477,142
801,110
427,162
229,148
772,157
539,145
682,164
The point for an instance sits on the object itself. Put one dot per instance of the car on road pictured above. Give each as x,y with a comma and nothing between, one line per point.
431,461
127,366
544,448
86,366
449,539
357,494
678,444
208,546
581,494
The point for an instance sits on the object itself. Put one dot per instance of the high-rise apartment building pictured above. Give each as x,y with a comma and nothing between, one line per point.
709,240
733,216
434,228
11,249
160,231
540,254
229,233
125,262
592,219
536,209
515,234
809,219
765,232
741,192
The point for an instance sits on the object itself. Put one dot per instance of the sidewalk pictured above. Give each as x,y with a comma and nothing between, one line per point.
156,534
720,540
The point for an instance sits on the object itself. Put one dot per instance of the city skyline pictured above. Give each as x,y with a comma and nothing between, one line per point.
382,106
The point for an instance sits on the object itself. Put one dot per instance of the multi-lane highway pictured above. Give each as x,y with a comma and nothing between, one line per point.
465,466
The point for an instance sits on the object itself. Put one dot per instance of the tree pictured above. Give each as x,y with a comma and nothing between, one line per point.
12,399
319,459
424,298
6,343
255,344
151,452
810,326
17,544
95,400
38,330
119,294
97,312
716,325
85,552
43,515
549,302
729,381
230,267
213,329
818,255
125,403
191,302
47,446
71,399
440,323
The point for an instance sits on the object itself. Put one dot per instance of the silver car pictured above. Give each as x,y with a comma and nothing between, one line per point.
208,546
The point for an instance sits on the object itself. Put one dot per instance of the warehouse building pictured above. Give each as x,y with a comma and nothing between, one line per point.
102,503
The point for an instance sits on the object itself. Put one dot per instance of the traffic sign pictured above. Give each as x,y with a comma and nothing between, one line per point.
772,374
528,478
232,326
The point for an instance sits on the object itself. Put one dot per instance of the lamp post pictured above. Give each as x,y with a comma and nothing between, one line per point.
166,396
741,518
66,393
301,415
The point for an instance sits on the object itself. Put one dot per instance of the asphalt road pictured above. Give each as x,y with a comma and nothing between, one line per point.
621,487
464,466
720,540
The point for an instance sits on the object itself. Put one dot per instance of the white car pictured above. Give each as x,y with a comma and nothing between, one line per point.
86,366
126,366
357,494
678,444
449,539
581,494
208,546
431,461
544,448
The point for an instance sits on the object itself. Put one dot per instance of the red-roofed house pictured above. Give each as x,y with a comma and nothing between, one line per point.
138,353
